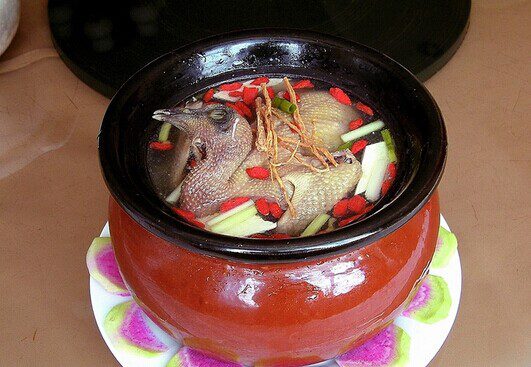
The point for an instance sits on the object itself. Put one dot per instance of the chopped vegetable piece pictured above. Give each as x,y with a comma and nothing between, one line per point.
362,131
284,105
372,153
260,80
249,95
340,96
354,124
356,204
358,146
276,210
157,145
390,145
229,213
234,220
260,173
374,186
315,225
250,226
345,146
262,206
230,86
340,209
207,97
233,203
175,194
364,108
224,96
303,84
164,132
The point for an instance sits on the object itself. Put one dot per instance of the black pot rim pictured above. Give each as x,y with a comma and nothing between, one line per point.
376,226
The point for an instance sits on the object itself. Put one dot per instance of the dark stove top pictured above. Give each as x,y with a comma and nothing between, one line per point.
105,42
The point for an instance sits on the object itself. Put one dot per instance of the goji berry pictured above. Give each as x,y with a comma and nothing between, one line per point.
232,203
340,96
364,108
356,204
246,112
207,97
391,171
271,92
280,236
286,96
348,220
386,185
340,209
258,172
276,210
235,93
303,84
161,145
249,95
358,146
260,80
230,86
185,214
354,124
262,206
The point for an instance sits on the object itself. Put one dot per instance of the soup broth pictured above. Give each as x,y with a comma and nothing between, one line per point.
271,158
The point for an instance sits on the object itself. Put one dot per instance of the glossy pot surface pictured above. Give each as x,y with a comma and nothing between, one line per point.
274,302
276,314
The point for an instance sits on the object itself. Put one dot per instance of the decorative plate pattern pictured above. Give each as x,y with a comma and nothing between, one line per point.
412,339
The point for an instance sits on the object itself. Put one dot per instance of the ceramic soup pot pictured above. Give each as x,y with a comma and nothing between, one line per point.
274,302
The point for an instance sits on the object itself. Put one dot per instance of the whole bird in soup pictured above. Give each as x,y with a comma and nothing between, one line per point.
271,158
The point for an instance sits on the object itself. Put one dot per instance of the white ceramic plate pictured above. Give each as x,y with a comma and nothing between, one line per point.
425,339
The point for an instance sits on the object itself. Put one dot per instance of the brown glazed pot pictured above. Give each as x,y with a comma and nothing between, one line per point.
274,302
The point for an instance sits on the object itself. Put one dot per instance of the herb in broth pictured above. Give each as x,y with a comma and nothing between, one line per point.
272,158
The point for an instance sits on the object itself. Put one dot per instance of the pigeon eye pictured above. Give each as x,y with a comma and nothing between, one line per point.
217,114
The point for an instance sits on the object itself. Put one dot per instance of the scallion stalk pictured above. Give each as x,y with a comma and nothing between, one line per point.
284,105
362,131
164,132
234,220
315,225
386,135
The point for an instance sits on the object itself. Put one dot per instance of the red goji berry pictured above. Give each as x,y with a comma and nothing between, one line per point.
303,84
259,235
207,97
235,93
185,214
260,80
237,107
368,208
192,163
356,204
276,210
246,111
280,236
271,92
386,185
196,223
258,172
262,206
391,171
230,86
161,145
249,95
286,96
233,203
340,209
348,220
354,124
364,108
340,96
358,146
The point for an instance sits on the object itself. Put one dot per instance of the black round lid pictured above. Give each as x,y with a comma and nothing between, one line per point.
105,42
